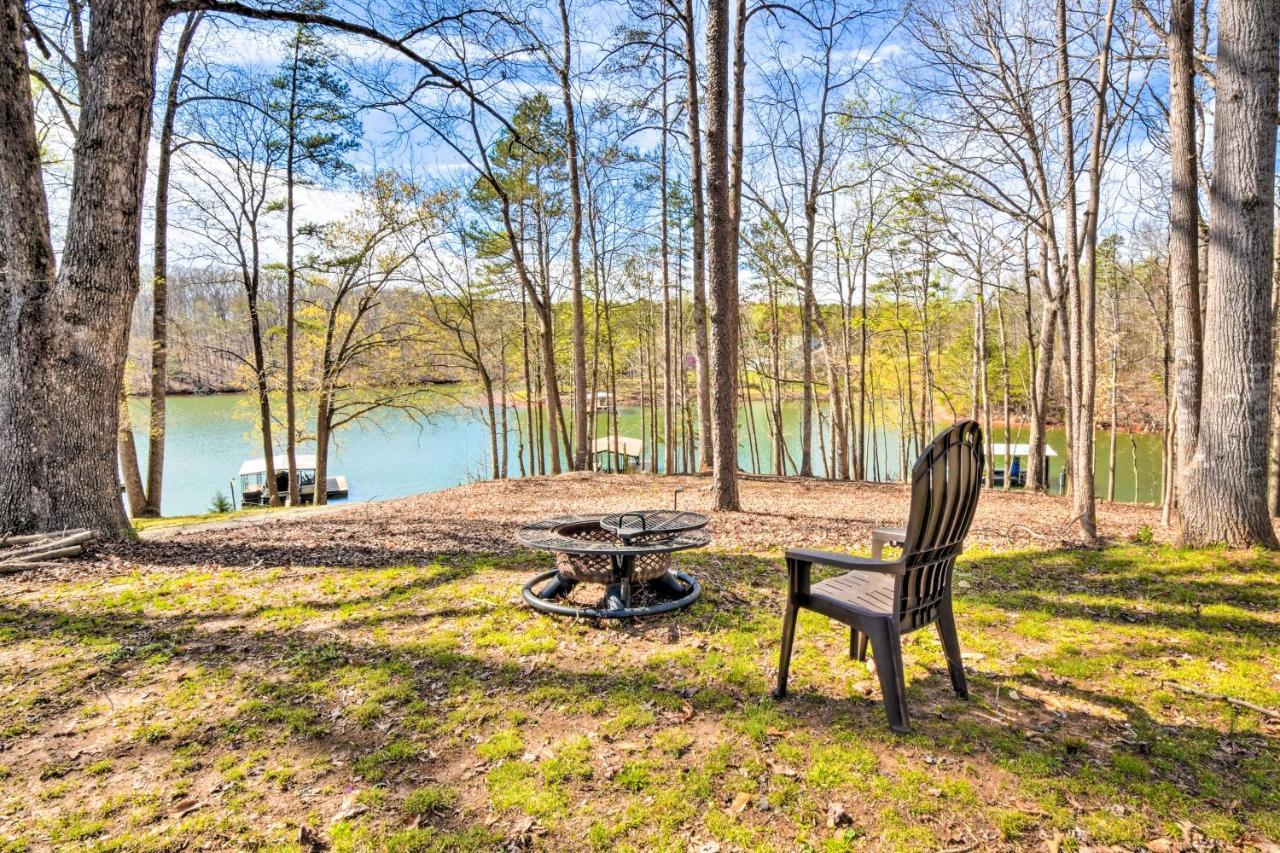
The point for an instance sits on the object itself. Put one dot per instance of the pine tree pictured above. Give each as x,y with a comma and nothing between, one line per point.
320,128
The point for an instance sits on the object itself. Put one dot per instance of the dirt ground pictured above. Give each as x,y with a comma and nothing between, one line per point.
482,518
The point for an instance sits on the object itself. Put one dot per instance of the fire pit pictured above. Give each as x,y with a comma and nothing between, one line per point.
617,551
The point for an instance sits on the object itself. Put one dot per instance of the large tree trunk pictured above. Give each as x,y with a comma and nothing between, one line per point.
65,336
160,278
721,278
1226,484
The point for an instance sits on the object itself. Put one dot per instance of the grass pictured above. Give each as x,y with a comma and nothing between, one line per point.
424,708
141,524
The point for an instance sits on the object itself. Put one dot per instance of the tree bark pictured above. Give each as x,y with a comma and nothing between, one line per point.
721,278
66,336
1184,237
1226,481
128,449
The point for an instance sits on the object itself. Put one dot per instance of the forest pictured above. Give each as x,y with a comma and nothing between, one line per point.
882,214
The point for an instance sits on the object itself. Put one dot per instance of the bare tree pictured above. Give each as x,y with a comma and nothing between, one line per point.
160,272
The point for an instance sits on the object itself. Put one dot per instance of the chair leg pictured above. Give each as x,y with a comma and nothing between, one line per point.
784,655
951,646
886,648
857,644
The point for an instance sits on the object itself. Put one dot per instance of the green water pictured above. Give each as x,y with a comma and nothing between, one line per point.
393,456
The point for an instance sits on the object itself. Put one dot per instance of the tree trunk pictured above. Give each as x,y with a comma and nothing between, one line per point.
580,413
721,275
264,395
1184,236
1079,338
1275,381
324,428
1038,472
1115,390
291,278
1225,498
806,380
65,336
160,278
698,261
862,374
128,450
983,389
668,413
1004,386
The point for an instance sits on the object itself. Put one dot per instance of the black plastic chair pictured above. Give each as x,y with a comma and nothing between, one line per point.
882,600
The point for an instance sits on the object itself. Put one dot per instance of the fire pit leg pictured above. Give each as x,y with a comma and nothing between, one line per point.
617,596
558,586
668,586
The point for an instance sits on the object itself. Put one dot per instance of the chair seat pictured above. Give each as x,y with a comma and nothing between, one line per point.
870,591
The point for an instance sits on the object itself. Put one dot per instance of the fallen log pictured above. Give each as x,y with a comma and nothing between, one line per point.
36,549
30,538
39,556
48,544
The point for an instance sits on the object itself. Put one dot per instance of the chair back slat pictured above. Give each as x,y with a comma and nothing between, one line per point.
945,483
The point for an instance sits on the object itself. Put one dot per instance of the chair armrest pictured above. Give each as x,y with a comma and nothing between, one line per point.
843,561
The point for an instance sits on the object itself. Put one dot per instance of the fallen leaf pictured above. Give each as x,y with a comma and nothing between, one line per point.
740,803
837,816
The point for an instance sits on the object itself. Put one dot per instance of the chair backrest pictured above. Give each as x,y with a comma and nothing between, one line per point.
944,494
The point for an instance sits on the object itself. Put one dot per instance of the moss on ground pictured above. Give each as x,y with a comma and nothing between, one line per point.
425,708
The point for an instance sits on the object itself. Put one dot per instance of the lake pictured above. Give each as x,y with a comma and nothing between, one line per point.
393,456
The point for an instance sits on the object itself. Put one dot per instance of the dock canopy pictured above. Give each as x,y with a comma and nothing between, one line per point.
281,460
1009,450
620,444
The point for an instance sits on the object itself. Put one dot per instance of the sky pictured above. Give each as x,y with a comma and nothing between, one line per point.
774,44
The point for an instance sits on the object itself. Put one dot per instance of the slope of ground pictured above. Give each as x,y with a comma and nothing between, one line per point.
481,518
339,682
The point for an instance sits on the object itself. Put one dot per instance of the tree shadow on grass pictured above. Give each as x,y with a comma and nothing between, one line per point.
1138,587
1081,747
1074,742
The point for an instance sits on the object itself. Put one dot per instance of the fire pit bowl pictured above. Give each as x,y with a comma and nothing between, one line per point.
587,550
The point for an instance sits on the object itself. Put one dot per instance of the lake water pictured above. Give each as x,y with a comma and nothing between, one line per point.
393,456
